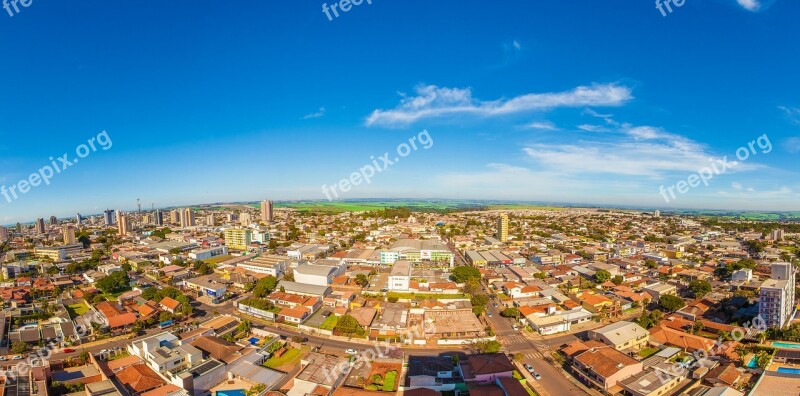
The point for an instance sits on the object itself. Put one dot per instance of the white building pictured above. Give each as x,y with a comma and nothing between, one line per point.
776,298
320,275
400,277
744,274
205,254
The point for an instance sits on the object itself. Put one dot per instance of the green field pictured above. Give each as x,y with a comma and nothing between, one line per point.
77,309
291,356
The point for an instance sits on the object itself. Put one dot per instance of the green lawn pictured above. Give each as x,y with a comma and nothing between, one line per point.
77,309
218,259
291,356
647,352
329,323
426,295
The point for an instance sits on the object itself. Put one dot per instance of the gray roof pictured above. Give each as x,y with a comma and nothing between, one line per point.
303,288
318,270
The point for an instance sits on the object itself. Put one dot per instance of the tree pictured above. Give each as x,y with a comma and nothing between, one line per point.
487,346
618,280
519,357
671,303
651,264
699,288
348,325
116,281
465,273
602,276
265,286
511,312
19,347
362,280
289,276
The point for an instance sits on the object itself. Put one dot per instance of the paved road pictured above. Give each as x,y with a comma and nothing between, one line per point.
553,379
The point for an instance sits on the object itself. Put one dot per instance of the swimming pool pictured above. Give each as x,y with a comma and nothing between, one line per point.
786,345
753,363
231,392
788,370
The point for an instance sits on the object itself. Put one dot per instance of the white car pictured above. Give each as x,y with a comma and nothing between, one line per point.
3,359
16,357
351,351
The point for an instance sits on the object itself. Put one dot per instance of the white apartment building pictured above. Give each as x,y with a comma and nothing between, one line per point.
776,298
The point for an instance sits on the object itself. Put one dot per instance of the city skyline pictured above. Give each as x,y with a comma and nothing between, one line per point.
524,101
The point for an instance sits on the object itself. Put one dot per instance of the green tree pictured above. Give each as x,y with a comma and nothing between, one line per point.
19,347
362,280
699,288
602,276
511,312
265,286
487,346
348,325
618,280
116,281
464,273
671,303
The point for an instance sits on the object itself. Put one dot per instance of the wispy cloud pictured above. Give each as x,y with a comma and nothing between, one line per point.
319,113
793,113
432,101
792,145
545,125
592,128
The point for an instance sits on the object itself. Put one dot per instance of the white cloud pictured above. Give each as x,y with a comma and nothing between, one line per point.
517,45
750,5
592,128
793,113
432,101
545,125
736,186
319,113
792,145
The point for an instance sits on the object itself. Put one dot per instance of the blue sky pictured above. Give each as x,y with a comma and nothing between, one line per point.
581,101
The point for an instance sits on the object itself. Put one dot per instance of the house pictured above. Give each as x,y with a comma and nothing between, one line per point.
604,366
169,304
486,368
657,290
621,335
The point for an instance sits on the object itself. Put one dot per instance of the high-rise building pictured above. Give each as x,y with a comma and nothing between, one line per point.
776,235
266,211
78,219
187,218
69,235
53,220
158,218
3,233
108,217
245,219
19,228
39,226
776,297
657,213
232,217
175,216
238,239
210,220
123,223
502,228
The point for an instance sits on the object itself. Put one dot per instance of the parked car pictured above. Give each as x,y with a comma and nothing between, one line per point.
351,351
489,314
16,357
68,350
529,368
3,359
515,327
537,376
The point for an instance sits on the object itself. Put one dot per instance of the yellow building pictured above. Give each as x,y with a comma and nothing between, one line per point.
238,239
502,228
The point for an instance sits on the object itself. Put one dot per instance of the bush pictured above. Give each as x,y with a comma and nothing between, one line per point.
390,381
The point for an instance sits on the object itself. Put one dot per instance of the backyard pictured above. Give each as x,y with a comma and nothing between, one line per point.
77,309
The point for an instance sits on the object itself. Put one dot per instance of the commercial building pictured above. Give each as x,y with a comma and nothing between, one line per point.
776,298
320,275
271,265
621,335
124,224
39,226
187,218
205,254
57,253
108,217
400,277
419,251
